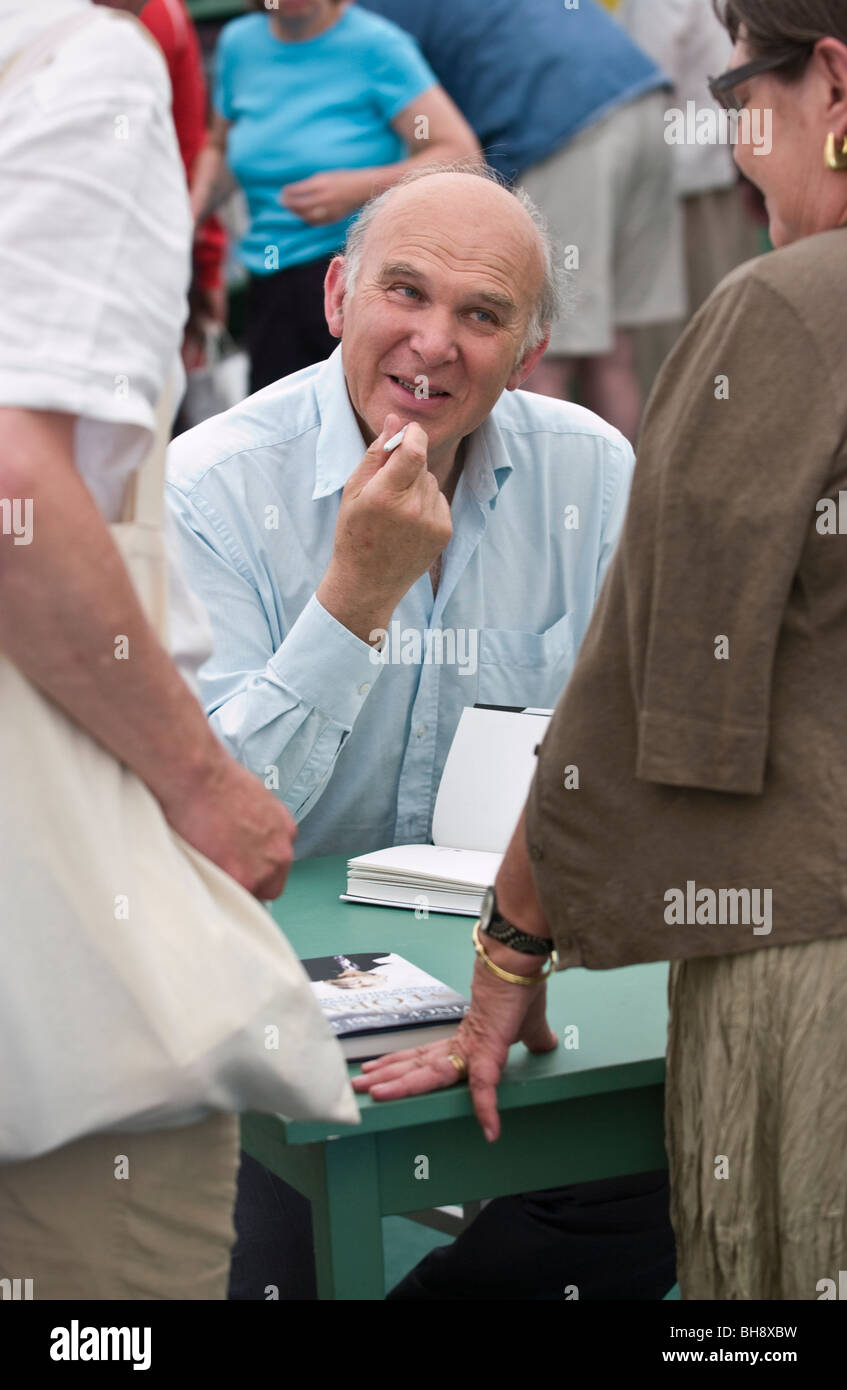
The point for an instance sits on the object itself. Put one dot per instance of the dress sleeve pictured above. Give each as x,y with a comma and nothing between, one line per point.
729,471
400,73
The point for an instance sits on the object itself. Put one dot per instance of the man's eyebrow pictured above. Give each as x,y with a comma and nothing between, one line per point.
393,268
402,270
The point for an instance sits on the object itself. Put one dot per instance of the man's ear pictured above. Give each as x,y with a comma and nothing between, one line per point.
528,363
334,287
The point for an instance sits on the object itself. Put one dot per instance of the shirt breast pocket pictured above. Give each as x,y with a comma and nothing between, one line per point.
525,668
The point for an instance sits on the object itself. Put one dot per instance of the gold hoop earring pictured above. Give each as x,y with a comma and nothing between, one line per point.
835,159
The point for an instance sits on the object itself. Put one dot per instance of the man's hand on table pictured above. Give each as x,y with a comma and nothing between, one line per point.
500,1014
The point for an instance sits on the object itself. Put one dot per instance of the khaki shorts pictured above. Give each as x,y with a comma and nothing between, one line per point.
609,196
719,235
124,1216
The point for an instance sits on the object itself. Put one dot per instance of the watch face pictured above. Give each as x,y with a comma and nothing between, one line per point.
486,912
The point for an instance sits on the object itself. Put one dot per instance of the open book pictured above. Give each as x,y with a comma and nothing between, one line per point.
482,791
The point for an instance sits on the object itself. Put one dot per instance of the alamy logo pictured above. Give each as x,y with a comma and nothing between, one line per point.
16,519
832,515
430,646
710,125
77,1343
828,1289
16,1288
705,907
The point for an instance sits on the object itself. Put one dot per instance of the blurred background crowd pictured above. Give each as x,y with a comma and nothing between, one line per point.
292,113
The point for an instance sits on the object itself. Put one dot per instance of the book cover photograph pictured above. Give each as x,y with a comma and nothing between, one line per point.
376,1002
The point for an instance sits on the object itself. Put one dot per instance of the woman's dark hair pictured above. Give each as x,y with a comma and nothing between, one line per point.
776,27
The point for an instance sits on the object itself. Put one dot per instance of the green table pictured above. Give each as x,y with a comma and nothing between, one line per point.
579,1113
216,9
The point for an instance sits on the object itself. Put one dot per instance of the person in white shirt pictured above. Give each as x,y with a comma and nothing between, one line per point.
492,521
95,238
686,38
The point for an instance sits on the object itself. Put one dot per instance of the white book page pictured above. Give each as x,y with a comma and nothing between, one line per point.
426,863
486,779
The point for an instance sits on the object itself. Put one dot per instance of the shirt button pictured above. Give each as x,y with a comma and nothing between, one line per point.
364,687
421,730
536,852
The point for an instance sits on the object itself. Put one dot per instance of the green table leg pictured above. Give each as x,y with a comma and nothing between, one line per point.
347,1223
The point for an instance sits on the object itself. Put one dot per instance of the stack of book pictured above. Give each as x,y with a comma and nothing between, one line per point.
379,1002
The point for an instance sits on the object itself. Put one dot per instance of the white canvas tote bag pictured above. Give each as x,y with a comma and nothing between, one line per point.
140,986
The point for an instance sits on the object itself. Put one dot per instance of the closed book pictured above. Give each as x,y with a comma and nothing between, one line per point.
380,1002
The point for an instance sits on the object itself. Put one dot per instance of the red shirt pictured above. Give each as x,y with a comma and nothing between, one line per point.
170,24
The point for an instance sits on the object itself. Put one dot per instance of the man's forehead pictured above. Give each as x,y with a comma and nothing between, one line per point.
501,259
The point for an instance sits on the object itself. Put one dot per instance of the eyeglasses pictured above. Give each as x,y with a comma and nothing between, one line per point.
723,88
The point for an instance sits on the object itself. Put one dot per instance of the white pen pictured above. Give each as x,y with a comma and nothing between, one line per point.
395,440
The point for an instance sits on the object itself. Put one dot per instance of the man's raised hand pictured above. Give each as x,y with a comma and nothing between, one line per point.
392,525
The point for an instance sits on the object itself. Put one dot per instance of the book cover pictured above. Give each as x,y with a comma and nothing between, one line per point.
376,992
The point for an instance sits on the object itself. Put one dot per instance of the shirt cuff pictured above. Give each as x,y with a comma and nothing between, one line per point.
680,751
326,666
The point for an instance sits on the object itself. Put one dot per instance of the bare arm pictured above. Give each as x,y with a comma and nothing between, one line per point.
64,599
435,132
211,180
433,129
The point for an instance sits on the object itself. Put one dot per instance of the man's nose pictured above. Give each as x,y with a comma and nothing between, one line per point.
434,337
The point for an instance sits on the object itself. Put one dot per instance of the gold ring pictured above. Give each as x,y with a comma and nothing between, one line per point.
459,1063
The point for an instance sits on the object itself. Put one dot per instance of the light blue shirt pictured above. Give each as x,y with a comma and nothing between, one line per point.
355,741
301,108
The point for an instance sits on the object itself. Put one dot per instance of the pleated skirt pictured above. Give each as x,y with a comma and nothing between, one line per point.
756,1121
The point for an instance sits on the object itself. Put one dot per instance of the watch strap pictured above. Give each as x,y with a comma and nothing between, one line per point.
508,935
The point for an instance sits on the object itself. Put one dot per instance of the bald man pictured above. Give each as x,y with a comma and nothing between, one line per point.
360,596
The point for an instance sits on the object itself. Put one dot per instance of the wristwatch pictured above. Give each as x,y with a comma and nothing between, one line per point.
495,926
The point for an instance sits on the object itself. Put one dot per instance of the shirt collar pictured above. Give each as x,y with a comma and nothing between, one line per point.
340,444
487,462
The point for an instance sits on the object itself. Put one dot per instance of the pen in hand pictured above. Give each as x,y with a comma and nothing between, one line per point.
395,439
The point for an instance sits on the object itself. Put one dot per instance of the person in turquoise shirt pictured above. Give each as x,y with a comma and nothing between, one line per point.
316,104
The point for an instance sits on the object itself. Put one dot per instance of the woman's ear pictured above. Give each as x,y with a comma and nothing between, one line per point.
831,56
335,286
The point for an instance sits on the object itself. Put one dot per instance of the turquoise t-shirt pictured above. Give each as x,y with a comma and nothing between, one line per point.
302,108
